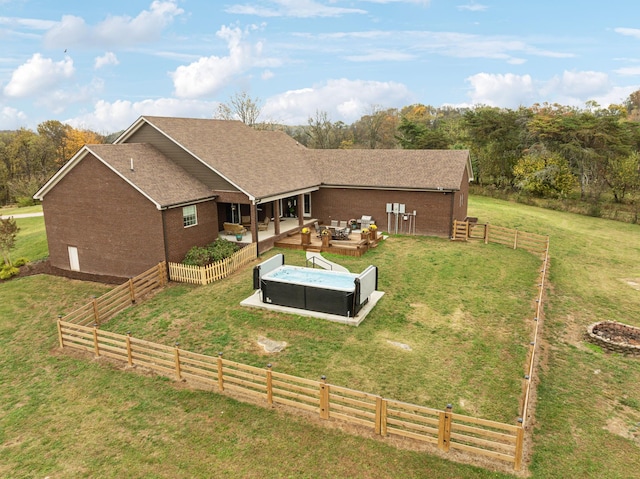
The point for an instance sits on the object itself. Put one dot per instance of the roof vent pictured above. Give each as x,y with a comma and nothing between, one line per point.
131,166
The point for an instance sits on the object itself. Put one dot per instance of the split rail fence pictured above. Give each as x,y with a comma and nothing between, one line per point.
215,271
532,242
443,428
105,307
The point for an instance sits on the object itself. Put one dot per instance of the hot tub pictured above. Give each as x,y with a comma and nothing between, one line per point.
330,292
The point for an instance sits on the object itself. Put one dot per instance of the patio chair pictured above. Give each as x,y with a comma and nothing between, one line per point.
343,224
366,221
264,225
246,221
334,223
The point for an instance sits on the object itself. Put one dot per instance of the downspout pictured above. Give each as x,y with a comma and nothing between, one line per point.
453,203
164,238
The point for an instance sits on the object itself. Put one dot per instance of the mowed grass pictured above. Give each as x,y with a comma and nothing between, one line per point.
67,417
63,416
31,242
464,310
588,411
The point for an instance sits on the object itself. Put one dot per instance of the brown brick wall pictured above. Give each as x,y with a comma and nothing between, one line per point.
181,239
79,212
433,209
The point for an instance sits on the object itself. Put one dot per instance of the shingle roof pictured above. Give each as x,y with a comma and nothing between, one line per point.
153,174
397,169
261,163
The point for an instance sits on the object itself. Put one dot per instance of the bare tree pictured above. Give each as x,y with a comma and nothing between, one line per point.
240,107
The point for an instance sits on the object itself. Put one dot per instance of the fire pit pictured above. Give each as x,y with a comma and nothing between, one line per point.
615,337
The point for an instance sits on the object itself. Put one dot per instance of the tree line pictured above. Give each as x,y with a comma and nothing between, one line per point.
546,150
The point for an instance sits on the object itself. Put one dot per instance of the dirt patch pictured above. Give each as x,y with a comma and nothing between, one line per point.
633,282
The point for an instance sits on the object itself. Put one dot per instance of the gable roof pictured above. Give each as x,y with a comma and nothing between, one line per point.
265,165
154,175
393,169
260,163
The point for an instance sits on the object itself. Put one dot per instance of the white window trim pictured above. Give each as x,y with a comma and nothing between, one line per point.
185,216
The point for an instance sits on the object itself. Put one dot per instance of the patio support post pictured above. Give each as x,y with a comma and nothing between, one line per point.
300,210
276,216
253,211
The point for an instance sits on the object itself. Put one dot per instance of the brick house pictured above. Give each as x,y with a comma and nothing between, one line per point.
167,184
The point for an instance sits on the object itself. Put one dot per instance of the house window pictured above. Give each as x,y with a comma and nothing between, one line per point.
189,216
307,205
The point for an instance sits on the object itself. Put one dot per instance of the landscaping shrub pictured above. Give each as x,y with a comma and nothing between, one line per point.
216,251
8,271
20,262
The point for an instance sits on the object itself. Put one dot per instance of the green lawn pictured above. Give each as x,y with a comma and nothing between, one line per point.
462,307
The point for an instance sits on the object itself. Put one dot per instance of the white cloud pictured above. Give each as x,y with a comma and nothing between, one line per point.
37,76
628,71
108,58
209,75
344,100
292,8
109,117
382,56
473,7
114,30
572,88
508,91
11,118
629,32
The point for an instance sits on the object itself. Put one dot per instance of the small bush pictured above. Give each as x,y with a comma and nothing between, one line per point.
20,262
24,201
8,271
216,251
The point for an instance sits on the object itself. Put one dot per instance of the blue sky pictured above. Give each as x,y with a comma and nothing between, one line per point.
100,65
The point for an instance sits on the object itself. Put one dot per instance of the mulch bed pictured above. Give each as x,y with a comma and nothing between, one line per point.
44,267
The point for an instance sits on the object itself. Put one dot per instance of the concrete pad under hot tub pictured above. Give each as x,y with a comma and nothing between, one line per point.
255,301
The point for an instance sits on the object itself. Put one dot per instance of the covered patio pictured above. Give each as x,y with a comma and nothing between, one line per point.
288,226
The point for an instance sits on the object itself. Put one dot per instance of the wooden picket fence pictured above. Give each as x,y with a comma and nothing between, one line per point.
183,273
443,428
105,307
532,242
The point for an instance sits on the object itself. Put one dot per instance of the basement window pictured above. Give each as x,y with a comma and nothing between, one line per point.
189,216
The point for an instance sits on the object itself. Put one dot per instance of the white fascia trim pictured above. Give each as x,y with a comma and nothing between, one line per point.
392,188
61,173
133,185
285,195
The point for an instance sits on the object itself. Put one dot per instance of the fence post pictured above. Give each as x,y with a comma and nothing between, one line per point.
129,354
95,339
132,292
515,240
517,464
220,377
444,429
96,313
486,233
269,385
381,416
161,273
324,398
176,356
60,332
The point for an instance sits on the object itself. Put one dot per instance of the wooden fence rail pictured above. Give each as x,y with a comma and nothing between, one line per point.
514,238
215,271
102,308
385,417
